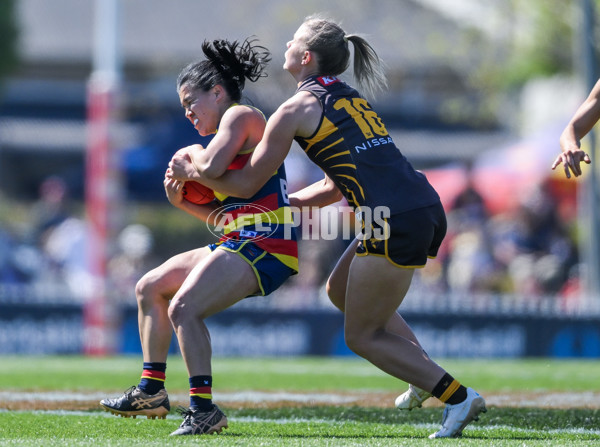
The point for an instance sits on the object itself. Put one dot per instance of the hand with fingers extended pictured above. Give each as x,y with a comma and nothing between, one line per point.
571,161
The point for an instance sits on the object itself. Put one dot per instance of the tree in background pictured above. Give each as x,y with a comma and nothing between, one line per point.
505,44
541,42
8,38
525,40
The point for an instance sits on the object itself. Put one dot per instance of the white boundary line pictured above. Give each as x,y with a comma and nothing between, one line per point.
588,399
299,420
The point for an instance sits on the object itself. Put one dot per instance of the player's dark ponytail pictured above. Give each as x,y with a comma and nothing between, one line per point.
228,64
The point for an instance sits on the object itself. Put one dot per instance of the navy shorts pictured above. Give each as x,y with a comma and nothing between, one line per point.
270,271
410,239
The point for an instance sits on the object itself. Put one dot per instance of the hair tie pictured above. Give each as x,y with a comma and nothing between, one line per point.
345,39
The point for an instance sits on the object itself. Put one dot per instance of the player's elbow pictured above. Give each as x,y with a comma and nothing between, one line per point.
248,190
333,193
336,195
208,168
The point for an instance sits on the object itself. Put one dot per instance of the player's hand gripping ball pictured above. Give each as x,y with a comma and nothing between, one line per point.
197,193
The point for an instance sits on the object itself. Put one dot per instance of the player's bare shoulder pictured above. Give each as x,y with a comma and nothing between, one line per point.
239,113
305,110
244,118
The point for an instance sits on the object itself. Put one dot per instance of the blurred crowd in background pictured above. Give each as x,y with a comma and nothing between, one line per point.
527,252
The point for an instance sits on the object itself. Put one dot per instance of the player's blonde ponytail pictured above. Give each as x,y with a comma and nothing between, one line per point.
331,45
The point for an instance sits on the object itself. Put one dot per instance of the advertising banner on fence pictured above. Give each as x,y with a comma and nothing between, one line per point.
47,329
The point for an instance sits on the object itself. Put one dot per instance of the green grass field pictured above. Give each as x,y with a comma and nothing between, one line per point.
52,401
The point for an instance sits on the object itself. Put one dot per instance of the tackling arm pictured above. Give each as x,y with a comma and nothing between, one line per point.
320,194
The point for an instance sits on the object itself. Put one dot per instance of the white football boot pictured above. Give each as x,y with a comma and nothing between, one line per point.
412,398
456,417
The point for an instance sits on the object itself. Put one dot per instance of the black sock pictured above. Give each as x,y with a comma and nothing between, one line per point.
449,390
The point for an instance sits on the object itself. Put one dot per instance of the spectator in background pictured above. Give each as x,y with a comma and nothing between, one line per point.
543,246
60,238
469,264
51,209
11,272
133,259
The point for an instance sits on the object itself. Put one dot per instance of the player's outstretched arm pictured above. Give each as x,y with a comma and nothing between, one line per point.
584,119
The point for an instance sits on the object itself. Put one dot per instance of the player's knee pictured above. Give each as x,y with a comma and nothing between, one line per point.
177,314
355,344
180,313
143,291
360,340
355,341
151,290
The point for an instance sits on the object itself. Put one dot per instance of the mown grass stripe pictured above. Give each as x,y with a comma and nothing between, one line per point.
327,421
258,419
